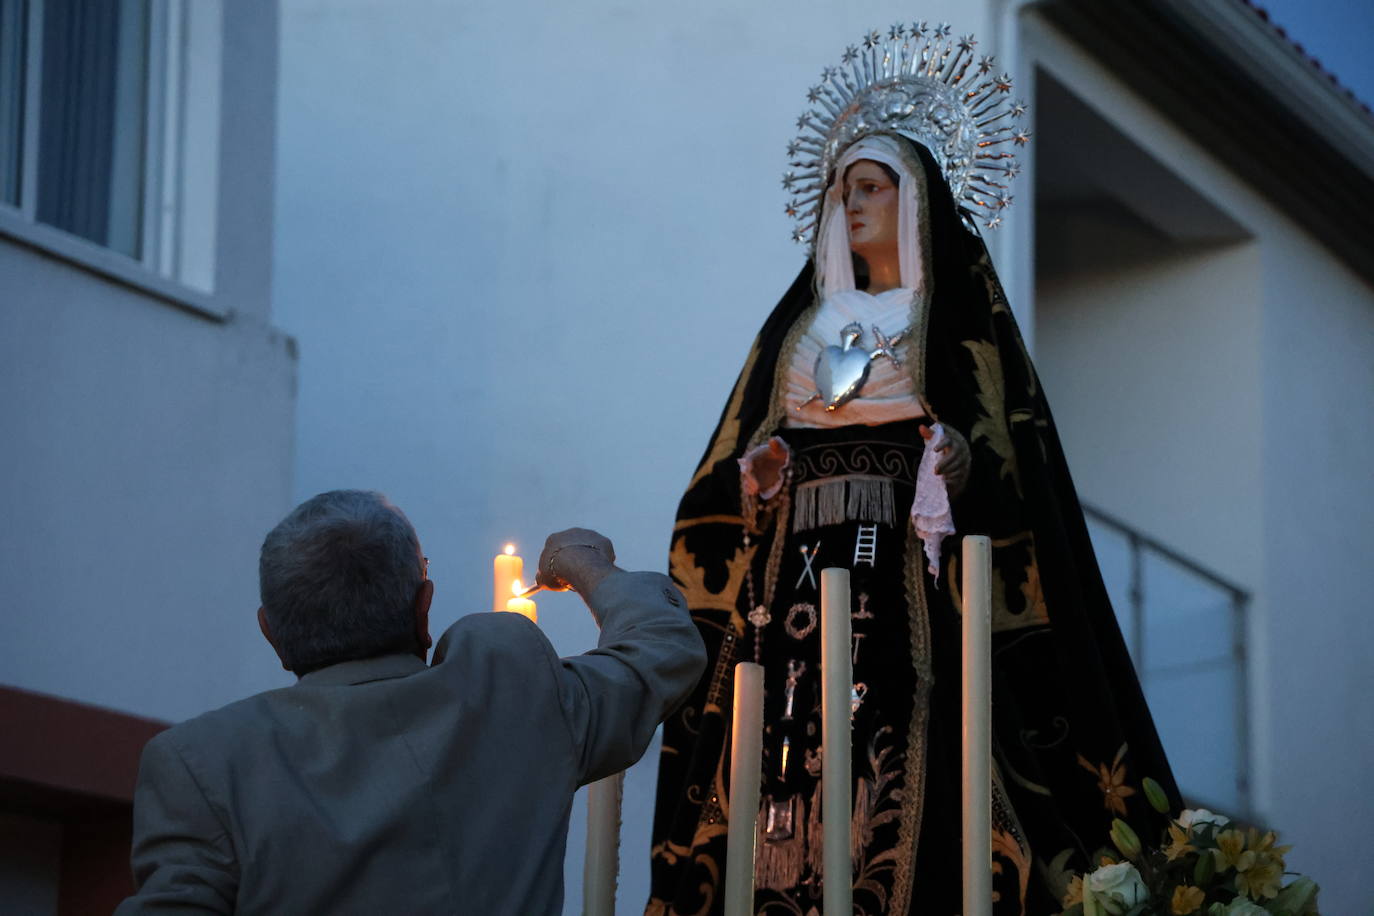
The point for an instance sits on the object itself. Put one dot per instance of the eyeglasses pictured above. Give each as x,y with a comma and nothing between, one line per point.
424,568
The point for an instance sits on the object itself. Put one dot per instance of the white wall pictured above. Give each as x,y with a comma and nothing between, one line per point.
147,449
147,452
1279,492
1149,354
1318,501
525,247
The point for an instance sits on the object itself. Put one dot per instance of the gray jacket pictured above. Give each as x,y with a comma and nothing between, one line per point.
383,786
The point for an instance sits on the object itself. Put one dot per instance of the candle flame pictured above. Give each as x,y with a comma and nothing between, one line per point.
509,550
517,587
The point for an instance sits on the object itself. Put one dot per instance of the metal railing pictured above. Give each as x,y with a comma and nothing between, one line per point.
1185,626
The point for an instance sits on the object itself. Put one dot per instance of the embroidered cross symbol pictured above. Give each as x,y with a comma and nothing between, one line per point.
808,557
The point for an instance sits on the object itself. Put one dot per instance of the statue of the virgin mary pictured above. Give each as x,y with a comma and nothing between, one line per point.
887,407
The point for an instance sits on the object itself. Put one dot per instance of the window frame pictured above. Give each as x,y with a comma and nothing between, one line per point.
160,221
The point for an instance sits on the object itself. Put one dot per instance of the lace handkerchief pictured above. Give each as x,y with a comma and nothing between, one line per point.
930,513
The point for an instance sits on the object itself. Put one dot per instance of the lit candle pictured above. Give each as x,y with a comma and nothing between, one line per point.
601,866
836,683
518,605
977,694
506,569
746,761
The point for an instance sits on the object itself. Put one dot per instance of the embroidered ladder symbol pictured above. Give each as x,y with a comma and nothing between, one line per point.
866,546
717,693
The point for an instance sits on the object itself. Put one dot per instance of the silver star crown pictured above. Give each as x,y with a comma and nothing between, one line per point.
921,84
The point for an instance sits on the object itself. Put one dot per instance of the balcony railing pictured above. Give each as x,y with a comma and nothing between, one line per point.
1185,627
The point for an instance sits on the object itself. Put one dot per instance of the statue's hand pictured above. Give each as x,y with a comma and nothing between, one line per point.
956,461
761,468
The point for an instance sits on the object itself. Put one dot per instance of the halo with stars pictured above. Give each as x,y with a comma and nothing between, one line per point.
922,84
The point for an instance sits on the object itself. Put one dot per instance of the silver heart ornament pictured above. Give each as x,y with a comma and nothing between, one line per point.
840,372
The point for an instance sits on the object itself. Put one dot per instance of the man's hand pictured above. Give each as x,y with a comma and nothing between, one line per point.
957,460
576,559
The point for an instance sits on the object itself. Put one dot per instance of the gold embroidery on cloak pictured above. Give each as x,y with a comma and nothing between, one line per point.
684,524
1009,838
1034,611
691,578
992,427
725,443
914,779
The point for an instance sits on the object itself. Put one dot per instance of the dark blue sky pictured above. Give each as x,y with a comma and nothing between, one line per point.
1336,32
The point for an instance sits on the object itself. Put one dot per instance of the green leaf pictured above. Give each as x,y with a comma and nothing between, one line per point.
1297,898
1204,869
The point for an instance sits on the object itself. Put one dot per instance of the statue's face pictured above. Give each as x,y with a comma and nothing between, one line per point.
870,199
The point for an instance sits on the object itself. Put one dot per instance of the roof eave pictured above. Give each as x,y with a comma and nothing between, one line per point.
1226,77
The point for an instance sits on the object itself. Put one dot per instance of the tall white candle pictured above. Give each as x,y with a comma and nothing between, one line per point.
506,568
746,763
602,864
836,682
977,728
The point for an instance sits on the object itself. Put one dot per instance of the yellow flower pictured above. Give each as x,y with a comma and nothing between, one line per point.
1111,781
1264,848
1178,843
1074,893
1230,848
1186,900
1260,882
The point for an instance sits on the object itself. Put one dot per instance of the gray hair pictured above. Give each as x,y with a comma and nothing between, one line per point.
338,579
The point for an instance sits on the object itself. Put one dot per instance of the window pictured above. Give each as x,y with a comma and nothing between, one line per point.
11,98
91,120
109,127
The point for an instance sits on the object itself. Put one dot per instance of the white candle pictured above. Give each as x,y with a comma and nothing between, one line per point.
602,864
506,568
518,605
836,683
746,763
977,693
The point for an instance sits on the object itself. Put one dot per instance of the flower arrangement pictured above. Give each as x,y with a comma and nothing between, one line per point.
1206,867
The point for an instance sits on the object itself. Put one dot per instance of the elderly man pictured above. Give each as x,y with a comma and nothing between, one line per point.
377,784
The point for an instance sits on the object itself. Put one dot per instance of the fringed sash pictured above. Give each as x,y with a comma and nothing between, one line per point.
850,481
